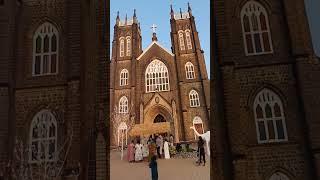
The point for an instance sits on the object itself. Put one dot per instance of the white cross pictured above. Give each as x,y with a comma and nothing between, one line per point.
154,27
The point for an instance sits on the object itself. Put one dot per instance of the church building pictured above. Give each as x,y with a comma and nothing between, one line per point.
156,90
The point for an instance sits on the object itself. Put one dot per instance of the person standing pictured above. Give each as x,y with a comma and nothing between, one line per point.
161,146
158,143
145,149
138,152
154,168
152,150
166,149
150,140
171,140
130,152
201,151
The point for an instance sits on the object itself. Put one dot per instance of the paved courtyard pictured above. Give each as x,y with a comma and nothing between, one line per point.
172,169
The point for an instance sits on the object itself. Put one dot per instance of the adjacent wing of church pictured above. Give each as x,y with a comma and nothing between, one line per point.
157,90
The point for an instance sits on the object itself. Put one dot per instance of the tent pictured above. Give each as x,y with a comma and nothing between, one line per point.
148,129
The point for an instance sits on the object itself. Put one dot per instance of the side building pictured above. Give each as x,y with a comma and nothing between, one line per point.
53,101
268,75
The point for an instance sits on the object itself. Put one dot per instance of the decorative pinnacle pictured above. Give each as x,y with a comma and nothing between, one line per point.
171,12
189,8
134,13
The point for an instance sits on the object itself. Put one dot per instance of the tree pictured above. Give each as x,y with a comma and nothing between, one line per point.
47,165
117,118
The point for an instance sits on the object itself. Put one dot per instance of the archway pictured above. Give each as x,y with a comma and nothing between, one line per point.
279,176
123,133
159,118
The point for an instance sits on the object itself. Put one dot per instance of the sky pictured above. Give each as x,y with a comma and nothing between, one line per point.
313,13
158,12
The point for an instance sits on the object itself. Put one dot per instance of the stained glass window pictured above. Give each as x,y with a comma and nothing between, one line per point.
157,77
270,120
43,137
45,53
194,98
256,30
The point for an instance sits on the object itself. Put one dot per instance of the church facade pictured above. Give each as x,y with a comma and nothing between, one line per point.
157,90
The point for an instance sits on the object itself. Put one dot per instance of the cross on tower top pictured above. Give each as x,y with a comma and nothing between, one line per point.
154,27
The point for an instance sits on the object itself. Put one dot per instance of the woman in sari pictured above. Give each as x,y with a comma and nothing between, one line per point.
145,149
130,152
138,153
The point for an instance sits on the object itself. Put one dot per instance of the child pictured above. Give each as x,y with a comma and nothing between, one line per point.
154,168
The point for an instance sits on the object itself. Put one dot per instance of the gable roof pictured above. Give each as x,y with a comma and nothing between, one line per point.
153,43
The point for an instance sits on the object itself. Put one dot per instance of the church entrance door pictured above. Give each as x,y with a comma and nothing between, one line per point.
160,119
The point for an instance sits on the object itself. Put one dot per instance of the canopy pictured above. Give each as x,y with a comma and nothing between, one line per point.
148,129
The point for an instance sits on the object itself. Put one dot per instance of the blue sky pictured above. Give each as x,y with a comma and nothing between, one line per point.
158,12
313,12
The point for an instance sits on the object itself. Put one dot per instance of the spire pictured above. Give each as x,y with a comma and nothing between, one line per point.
134,16
126,20
171,12
189,8
118,18
180,12
154,37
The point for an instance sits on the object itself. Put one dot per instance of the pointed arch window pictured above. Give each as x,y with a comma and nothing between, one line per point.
188,39
45,50
128,46
43,137
159,119
124,76
157,77
255,29
181,40
279,176
121,46
194,98
269,116
123,105
198,125
189,70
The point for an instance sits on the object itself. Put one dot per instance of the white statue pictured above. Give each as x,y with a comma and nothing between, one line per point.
205,136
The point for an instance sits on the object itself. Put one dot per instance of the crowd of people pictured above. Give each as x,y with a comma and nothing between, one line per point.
145,148
157,147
